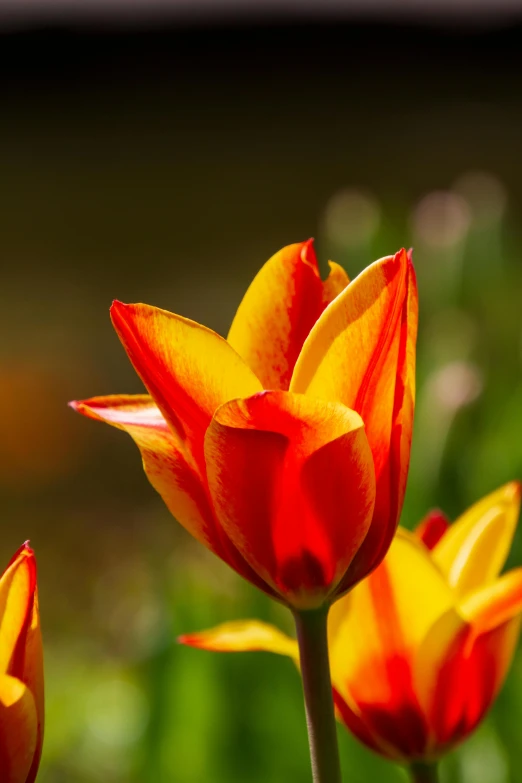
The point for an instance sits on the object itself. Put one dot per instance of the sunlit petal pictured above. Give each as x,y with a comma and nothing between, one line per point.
243,636
188,369
277,312
291,480
362,352
474,549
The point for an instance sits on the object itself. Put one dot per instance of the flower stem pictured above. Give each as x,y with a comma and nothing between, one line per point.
424,773
317,687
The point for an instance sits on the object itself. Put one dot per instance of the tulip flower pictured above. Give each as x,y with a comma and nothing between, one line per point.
21,667
284,449
420,649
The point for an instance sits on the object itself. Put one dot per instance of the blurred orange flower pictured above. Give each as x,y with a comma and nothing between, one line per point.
21,667
285,449
420,649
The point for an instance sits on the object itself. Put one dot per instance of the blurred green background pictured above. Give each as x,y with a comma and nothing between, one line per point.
165,166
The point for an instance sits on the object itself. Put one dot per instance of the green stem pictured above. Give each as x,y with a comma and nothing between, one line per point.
317,687
424,773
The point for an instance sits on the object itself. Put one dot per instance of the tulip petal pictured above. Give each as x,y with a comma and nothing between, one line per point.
375,629
348,713
188,369
475,548
168,465
18,730
17,586
244,636
431,529
460,673
495,603
33,677
361,352
283,302
291,480
170,469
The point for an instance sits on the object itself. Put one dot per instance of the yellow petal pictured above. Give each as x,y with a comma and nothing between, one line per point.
17,586
383,620
18,730
243,636
474,549
188,369
494,604
278,310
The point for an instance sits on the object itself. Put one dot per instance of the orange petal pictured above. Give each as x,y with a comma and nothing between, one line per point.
463,673
474,549
168,465
495,603
292,483
18,731
375,630
243,636
361,352
170,469
431,529
188,369
282,304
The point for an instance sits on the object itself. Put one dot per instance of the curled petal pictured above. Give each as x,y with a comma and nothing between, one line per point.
244,636
170,469
168,465
495,603
432,528
292,483
188,369
18,731
361,352
474,549
278,310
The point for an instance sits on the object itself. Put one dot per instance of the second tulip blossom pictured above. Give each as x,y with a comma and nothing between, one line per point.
419,649
21,671
285,448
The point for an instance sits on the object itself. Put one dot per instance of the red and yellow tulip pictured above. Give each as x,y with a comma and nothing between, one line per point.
21,671
420,649
285,448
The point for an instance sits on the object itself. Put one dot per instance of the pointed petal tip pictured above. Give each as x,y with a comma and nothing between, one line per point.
308,255
190,640
513,490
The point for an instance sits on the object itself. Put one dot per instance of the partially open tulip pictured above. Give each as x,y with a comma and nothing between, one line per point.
21,671
420,649
285,448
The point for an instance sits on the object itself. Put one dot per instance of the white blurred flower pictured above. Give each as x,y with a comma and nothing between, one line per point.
352,217
441,219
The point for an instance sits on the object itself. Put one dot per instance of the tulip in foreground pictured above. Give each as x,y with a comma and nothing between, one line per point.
285,448
21,667
420,649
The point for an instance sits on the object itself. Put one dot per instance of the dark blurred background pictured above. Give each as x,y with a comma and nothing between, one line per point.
163,157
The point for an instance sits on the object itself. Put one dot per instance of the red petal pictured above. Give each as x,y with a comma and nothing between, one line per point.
291,481
431,529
